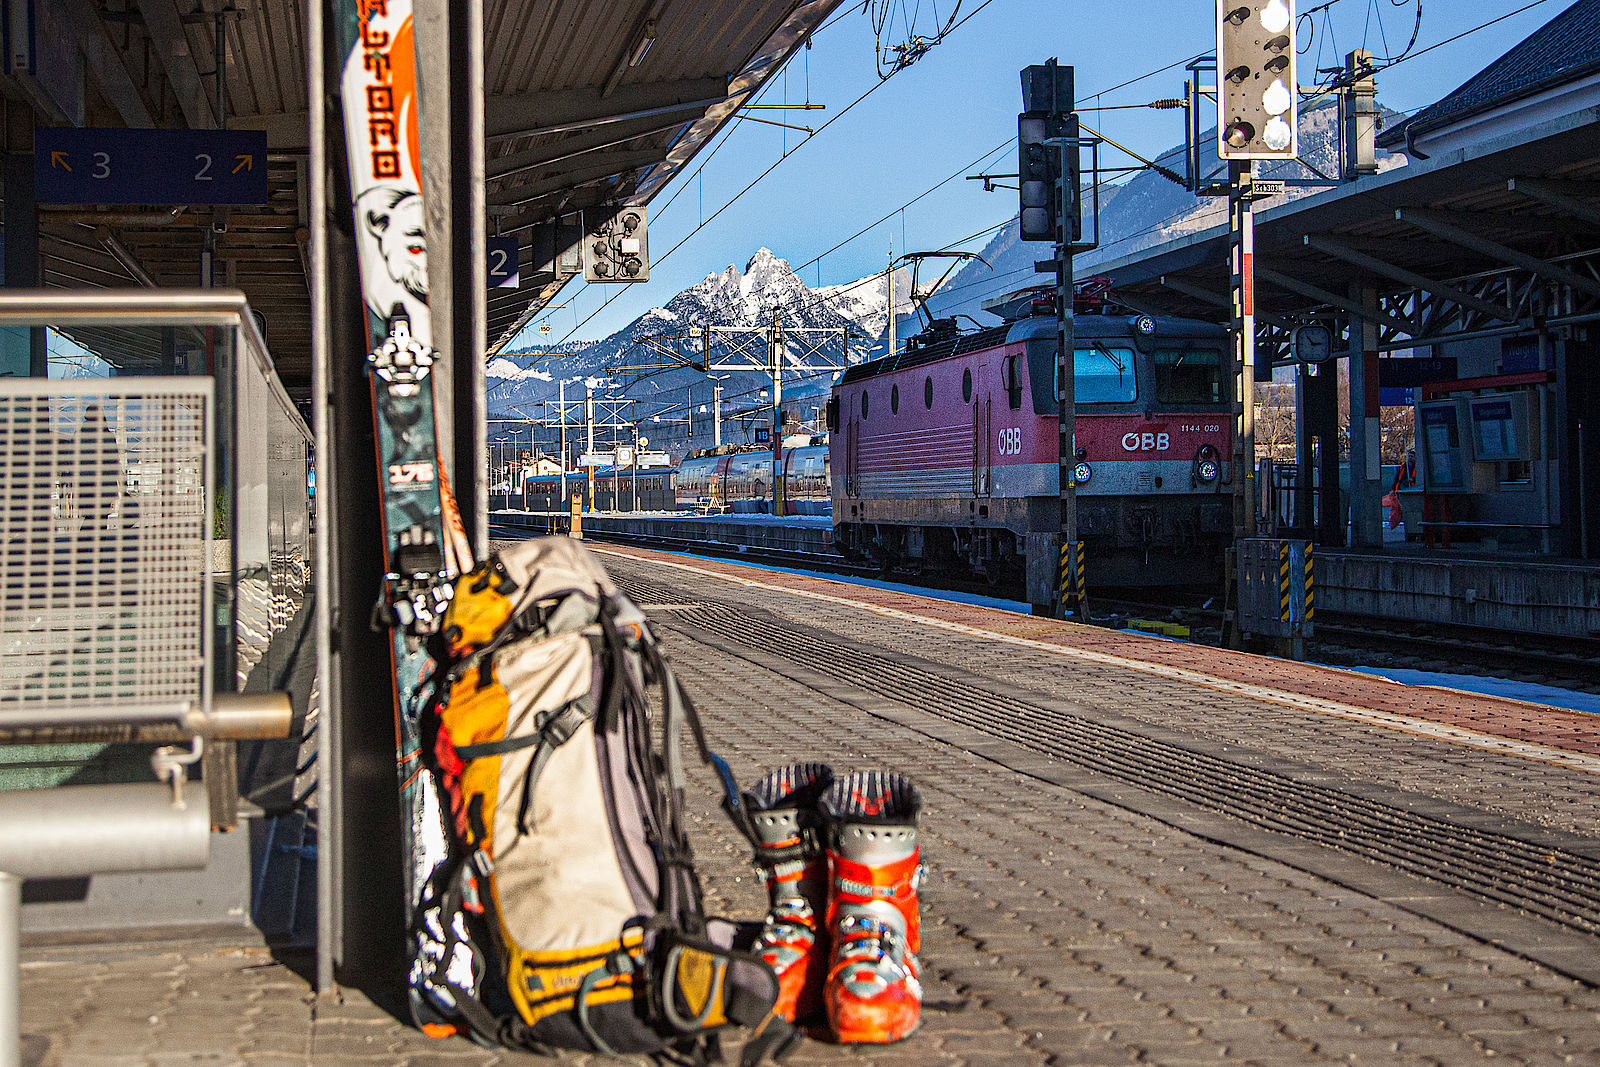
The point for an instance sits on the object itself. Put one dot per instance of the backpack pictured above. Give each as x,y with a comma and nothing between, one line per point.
568,913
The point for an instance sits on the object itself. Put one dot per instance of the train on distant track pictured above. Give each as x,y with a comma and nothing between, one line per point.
742,481
738,482
944,455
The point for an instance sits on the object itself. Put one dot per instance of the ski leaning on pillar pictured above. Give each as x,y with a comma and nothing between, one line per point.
424,542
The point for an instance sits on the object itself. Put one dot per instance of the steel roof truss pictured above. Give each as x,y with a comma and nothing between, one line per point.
165,26
107,64
603,165
589,141
1562,195
1441,225
1322,296
1209,296
1340,250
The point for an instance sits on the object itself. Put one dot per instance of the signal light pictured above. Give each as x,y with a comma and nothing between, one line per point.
1039,171
618,250
1048,102
1257,98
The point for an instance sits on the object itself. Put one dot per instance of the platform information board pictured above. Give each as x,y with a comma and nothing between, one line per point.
122,166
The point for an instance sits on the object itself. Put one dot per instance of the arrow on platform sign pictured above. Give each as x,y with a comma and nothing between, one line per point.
244,163
59,159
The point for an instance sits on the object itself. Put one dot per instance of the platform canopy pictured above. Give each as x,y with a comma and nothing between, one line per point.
589,102
1492,226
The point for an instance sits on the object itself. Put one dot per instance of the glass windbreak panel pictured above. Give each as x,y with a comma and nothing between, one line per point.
125,350
1188,375
1102,374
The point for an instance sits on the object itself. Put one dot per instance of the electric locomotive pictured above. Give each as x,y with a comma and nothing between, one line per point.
944,455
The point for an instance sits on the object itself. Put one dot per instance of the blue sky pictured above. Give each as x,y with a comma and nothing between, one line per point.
953,113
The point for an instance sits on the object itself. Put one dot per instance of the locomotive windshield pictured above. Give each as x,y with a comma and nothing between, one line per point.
1103,375
1188,375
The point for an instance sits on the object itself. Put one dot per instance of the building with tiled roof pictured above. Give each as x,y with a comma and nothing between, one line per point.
1555,71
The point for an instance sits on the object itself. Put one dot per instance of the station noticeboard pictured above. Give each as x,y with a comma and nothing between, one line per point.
124,166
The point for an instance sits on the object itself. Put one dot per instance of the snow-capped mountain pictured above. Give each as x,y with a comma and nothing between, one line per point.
732,297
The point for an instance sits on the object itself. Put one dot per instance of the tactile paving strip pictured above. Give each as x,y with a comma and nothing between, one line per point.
1559,885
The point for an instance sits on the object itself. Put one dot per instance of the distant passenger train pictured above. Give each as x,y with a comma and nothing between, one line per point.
742,481
738,482
615,489
945,454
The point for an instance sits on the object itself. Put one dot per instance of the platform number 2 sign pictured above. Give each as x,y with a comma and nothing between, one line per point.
503,263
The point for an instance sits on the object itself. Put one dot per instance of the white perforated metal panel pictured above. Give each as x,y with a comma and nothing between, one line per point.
105,546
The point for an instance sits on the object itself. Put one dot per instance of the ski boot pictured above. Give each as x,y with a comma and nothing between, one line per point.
783,814
873,992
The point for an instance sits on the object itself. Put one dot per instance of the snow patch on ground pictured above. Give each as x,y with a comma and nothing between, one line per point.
505,369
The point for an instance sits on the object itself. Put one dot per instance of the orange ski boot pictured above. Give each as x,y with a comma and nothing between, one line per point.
782,808
873,992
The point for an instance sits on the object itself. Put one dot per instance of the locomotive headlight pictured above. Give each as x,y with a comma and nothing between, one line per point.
1082,473
1145,325
1207,470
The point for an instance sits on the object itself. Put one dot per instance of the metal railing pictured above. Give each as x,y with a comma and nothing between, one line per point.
154,541
104,504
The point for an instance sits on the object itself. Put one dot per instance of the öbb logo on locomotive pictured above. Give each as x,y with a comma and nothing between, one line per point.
1009,441
1147,441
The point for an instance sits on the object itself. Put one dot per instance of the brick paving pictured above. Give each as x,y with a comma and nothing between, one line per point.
1523,789
1059,928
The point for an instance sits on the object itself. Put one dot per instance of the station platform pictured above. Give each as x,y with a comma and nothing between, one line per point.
1462,587
808,534
1137,851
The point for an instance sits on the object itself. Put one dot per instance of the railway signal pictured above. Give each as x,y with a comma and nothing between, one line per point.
618,250
1047,102
1256,92
1039,167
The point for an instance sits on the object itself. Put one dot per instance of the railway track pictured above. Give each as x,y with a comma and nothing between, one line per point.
1338,636
831,564
1560,885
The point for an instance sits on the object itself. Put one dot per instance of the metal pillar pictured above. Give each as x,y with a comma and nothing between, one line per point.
1366,489
10,970
716,416
1242,270
561,406
359,866
449,46
588,422
24,355
889,277
1071,598
775,346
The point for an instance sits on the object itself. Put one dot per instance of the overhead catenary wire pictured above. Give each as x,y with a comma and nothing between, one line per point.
1405,55
757,179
